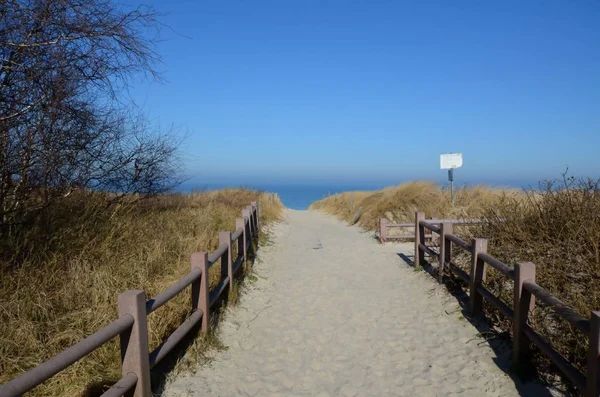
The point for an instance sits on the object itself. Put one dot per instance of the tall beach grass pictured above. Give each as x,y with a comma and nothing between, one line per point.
60,278
399,203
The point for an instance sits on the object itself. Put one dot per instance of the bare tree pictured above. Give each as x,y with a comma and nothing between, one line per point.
63,64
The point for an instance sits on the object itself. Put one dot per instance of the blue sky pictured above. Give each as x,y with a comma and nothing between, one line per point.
370,90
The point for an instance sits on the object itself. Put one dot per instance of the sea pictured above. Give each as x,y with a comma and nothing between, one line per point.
297,197
300,196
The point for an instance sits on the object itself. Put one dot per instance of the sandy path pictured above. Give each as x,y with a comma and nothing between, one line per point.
333,313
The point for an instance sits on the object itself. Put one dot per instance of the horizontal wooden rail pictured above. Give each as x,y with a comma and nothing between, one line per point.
215,256
39,374
168,294
384,225
216,293
558,307
238,263
496,302
459,242
238,233
526,291
569,370
165,348
428,250
407,224
460,273
131,326
496,264
407,237
465,222
437,221
430,226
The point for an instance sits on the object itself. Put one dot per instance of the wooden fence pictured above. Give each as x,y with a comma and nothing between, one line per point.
525,292
385,225
131,326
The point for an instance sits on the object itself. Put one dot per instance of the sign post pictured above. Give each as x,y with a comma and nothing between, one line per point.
450,161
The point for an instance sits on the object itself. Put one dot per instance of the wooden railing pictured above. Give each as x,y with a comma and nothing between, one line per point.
525,292
385,225
131,325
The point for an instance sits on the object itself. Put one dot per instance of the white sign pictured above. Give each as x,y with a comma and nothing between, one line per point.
451,160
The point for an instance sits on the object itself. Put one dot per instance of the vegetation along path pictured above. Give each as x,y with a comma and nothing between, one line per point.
333,313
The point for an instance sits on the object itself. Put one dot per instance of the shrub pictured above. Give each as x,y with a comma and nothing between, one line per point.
557,227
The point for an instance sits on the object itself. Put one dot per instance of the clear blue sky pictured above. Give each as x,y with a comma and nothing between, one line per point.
373,90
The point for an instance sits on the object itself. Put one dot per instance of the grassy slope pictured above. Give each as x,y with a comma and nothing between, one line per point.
400,203
57,297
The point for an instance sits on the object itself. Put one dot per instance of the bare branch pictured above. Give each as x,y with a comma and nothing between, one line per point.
62,64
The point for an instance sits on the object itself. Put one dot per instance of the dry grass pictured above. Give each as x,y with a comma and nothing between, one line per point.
399,203
558,228
59,282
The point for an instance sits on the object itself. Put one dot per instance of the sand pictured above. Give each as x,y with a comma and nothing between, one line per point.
334,313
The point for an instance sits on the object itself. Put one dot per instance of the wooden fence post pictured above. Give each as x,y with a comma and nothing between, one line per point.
478,268
248,212
383,229
252,222
246,215
134,341
226,263
593,375
419,238
241,223
445,249
200,288
254,205
524,301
